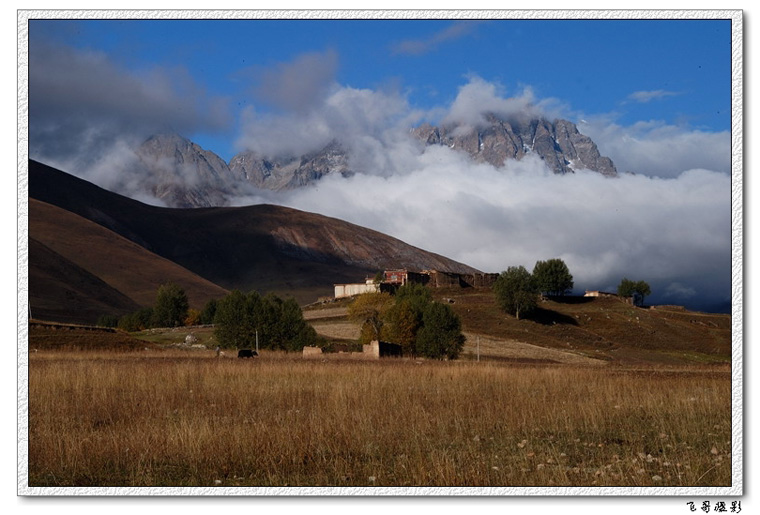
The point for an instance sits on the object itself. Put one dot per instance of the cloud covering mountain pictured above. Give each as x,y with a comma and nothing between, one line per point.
669,224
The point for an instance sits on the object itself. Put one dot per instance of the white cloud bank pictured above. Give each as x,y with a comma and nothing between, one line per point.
656,149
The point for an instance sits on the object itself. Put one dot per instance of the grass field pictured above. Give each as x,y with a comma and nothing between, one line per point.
166,417
589,393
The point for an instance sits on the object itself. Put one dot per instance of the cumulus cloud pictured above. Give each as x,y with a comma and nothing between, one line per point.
658,149
371,125
479,98
454,31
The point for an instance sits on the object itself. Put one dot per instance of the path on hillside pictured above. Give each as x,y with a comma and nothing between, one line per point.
515,350
314,314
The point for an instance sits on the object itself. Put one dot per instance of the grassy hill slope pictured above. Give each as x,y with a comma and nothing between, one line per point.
581,330
80,270
604,328
63,291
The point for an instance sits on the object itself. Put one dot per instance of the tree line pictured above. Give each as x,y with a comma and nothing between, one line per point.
238,319
170,309
518,291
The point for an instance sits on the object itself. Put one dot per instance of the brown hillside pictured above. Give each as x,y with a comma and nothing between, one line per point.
63,291
263,247
603,328
122,266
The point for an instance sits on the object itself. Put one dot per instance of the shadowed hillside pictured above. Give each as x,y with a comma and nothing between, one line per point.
118,263
263,247
63,291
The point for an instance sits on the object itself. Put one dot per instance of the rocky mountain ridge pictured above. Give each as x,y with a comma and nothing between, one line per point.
559,144
182,174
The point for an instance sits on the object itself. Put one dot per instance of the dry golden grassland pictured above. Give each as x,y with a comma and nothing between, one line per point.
171,418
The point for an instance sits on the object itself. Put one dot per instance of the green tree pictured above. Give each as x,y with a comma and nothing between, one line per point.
516,291
417,295
278,324
369,309
422,326
552,277
402,323
440,336
233,324
266,313
171,306
627,288
643,288
404,319
295,332
208,312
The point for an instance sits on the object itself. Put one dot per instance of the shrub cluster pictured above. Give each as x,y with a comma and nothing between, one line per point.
411,319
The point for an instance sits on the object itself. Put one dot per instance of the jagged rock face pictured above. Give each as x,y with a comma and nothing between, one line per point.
331,159
559,144
182,174
290,173
263,173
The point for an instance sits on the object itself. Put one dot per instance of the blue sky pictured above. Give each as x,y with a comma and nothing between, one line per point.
672,71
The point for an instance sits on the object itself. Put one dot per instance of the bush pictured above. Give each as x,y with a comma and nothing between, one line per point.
193,317
107,321
136,321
